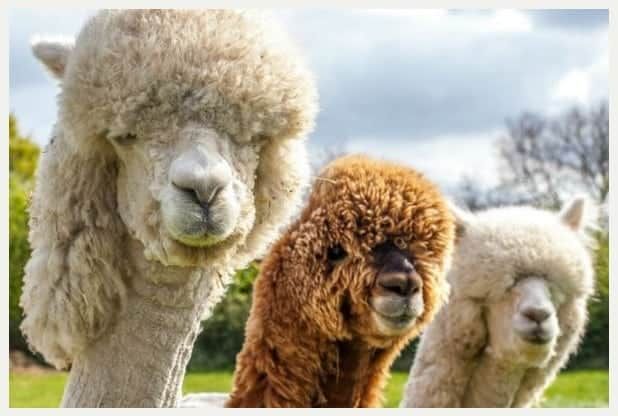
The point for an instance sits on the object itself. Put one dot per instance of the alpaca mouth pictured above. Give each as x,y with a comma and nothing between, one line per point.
203,240
196,230
401,320
537,337
196,224
393,320
395,314
394,325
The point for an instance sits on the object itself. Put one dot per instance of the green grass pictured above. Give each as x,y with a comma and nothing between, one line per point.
571,389
579,389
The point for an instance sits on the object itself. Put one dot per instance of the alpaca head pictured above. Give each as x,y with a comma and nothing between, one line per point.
372,247
531,272
182,105
178,144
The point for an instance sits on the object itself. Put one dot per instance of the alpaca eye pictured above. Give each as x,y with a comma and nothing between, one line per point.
400,243
127,139
336,254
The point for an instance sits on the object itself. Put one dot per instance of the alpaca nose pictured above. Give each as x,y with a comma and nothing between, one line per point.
200,176
396,272
535,314
399,283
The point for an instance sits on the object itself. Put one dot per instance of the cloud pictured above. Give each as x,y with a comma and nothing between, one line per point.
475,155
32,91
35,108
575,85
397,82
26,23
416,76
571,19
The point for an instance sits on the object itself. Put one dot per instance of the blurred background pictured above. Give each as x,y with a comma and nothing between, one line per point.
496,106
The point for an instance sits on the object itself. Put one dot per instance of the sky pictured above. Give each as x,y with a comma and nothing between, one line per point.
428,88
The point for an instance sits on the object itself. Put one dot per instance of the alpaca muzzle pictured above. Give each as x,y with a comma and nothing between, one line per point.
396,297
200,206
535,320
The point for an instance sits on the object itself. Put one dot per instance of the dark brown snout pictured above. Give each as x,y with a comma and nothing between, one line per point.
397,275
396,297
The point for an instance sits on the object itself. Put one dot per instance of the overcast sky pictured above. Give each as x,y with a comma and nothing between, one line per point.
431,88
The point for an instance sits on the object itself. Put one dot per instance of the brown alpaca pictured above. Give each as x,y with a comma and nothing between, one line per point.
352,281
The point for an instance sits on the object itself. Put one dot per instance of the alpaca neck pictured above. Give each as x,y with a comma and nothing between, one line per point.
494,383
345,387
140,361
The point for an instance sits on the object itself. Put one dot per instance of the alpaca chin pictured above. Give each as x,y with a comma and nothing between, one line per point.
536,356
393,326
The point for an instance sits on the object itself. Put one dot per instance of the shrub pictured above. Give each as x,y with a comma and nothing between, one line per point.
23,158
223,334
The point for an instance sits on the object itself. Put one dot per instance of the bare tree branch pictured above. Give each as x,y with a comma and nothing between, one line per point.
551,157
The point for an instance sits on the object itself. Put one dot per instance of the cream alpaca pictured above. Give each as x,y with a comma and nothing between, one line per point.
176,156
520,279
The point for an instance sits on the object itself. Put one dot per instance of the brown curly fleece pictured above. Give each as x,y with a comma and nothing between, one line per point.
310,339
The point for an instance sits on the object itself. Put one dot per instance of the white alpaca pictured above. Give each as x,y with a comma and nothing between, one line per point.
177,155
521,279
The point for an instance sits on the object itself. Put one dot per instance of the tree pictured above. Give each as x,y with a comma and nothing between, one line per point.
23,152
475,197
23,158
594,350
549,157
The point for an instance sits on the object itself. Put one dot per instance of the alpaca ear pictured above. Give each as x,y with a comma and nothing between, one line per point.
74,282
578,214
462,218
53,53
572,214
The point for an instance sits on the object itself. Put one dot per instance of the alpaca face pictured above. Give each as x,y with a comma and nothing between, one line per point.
376,239
396,298
198,183
528,270
392,296
190,128
523,326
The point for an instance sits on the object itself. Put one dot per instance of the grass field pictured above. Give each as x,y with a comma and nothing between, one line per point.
572,389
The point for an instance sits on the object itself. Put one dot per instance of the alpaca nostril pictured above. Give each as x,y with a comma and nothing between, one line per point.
538,315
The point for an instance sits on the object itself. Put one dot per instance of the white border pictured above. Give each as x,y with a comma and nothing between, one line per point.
521,4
